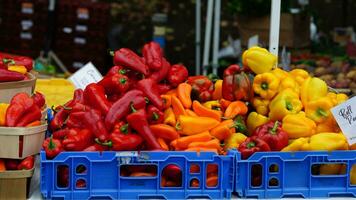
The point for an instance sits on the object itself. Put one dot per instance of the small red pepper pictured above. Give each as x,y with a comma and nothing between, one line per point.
59,118
20,104
124,142
117,70
177,74
33,114
273,134
150,89
11,164
39,99
153,54
78,141
202,88
27,163
52,147
158,76
138,121
8,59
94,96
92,119
121,107
251,145
163,88
154,115
115,84
96,147
128,58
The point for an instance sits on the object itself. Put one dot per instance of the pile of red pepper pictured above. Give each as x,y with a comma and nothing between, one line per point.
17,164
14,68
116,113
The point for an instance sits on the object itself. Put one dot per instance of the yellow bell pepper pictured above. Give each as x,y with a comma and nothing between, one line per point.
234,140
217,94
286,102
3,108
289,82
17,68
266,85
333,98
214,105
259,60
313,89
319,110
254,120
329,125
298,125
296,145
280,73
299,75
341,98
261,105
326,142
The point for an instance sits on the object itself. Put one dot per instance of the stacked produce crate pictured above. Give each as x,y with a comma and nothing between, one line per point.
81,33
23,26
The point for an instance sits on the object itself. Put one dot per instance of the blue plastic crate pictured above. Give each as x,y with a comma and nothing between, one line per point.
287,174
103,179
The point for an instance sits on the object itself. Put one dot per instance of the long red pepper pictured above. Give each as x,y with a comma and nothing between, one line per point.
31,115
59,118
92,119
161,74
27,163
138,121
78,96
8,59
150,89
75,119
19,105
79,141
39,99
94,96
153,54
7,76
129,59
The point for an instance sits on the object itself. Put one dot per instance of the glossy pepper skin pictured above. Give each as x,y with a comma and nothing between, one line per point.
150,90
299,75
154,115
94,96
161,74
280,73
177,74
326,142
131,60
78,141
296,145
235,108
33,114
319,110
20,104
117,70
164,131
202,88
27,163
261,105
255,120
153,54
138,121
92,119
52,147
169,117
251,145
7,76
266,85
124,142
163,88
39,99
8,60
60,116
290,83
259,60
183,94
298,125
273,134
121,107
217,94
236,84
313,89
286,102
115,84
203,111
192,125
234,141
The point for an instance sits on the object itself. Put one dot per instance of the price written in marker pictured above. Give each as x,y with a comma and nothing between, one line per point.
86,75
345,116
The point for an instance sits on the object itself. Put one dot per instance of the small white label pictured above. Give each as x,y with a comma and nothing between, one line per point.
86,75
26,24
25,36
81,28
345,116
80,40
253,41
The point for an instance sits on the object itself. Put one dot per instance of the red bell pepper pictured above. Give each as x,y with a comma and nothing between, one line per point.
138,121
11,164
154,115
94,96
236,84
150,89
202,88
251,145
121,107
129,59
8,59
27,163
153,54
177,74
52,147
59,118
124,142
20,104
92,119
273,134
163,88
78,141
159,75
39,99
115,84
33,114
117,70
96,147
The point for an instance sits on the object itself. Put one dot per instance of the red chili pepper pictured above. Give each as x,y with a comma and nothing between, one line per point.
163,88
60,134
92,119
33,114
77,107
128,58
122,142
154,115
11,164
251,145
39,99
122,108
52,147
177,74
236,84
20,104
150,89
158,76
78,96
96,147
138,121
153,54
7,76
117,70
8,59
202,88
27,163
115,84
273,134
74,120
78,141
94,96
59,118
121,127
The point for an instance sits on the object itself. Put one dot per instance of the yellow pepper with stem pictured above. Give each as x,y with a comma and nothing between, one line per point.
266,85
261,105
326,142
3,109
286,102
259,60
299,75
255,120
313,89
214,105
234,140
298,125
319,110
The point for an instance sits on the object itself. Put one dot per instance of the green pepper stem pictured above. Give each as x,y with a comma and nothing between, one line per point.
122,80
122,71
274,128
155,116
124,128
109,143
289,106
321,112
51,145
264,86
250,145
178,126
132,107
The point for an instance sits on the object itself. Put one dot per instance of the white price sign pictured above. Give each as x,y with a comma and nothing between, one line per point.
86,75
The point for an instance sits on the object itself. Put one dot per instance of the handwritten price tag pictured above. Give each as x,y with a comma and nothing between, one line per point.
345,116
86,75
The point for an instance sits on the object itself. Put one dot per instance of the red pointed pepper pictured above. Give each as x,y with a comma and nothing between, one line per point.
251,145
115,84
27,163
117,70
124,142
121,127
92,120
59,118
177,74
33,114
7,76
60,134
94,96
163,88
52,147
159,75
78,141
154,115
129,59
20,104
8,59
39,99
75,120
273,134
150,89
138,121
153,54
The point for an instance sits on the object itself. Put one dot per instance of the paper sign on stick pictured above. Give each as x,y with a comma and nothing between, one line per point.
86,75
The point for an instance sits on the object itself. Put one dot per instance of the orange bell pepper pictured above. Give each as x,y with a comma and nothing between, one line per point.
35,123
235,108
172,92
212,144
221,132
164,131
200,149
183,142
2,165
203,111
190,113
169,117
188,125
183,93
224,103
163,144
178,107
167,100
217,94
